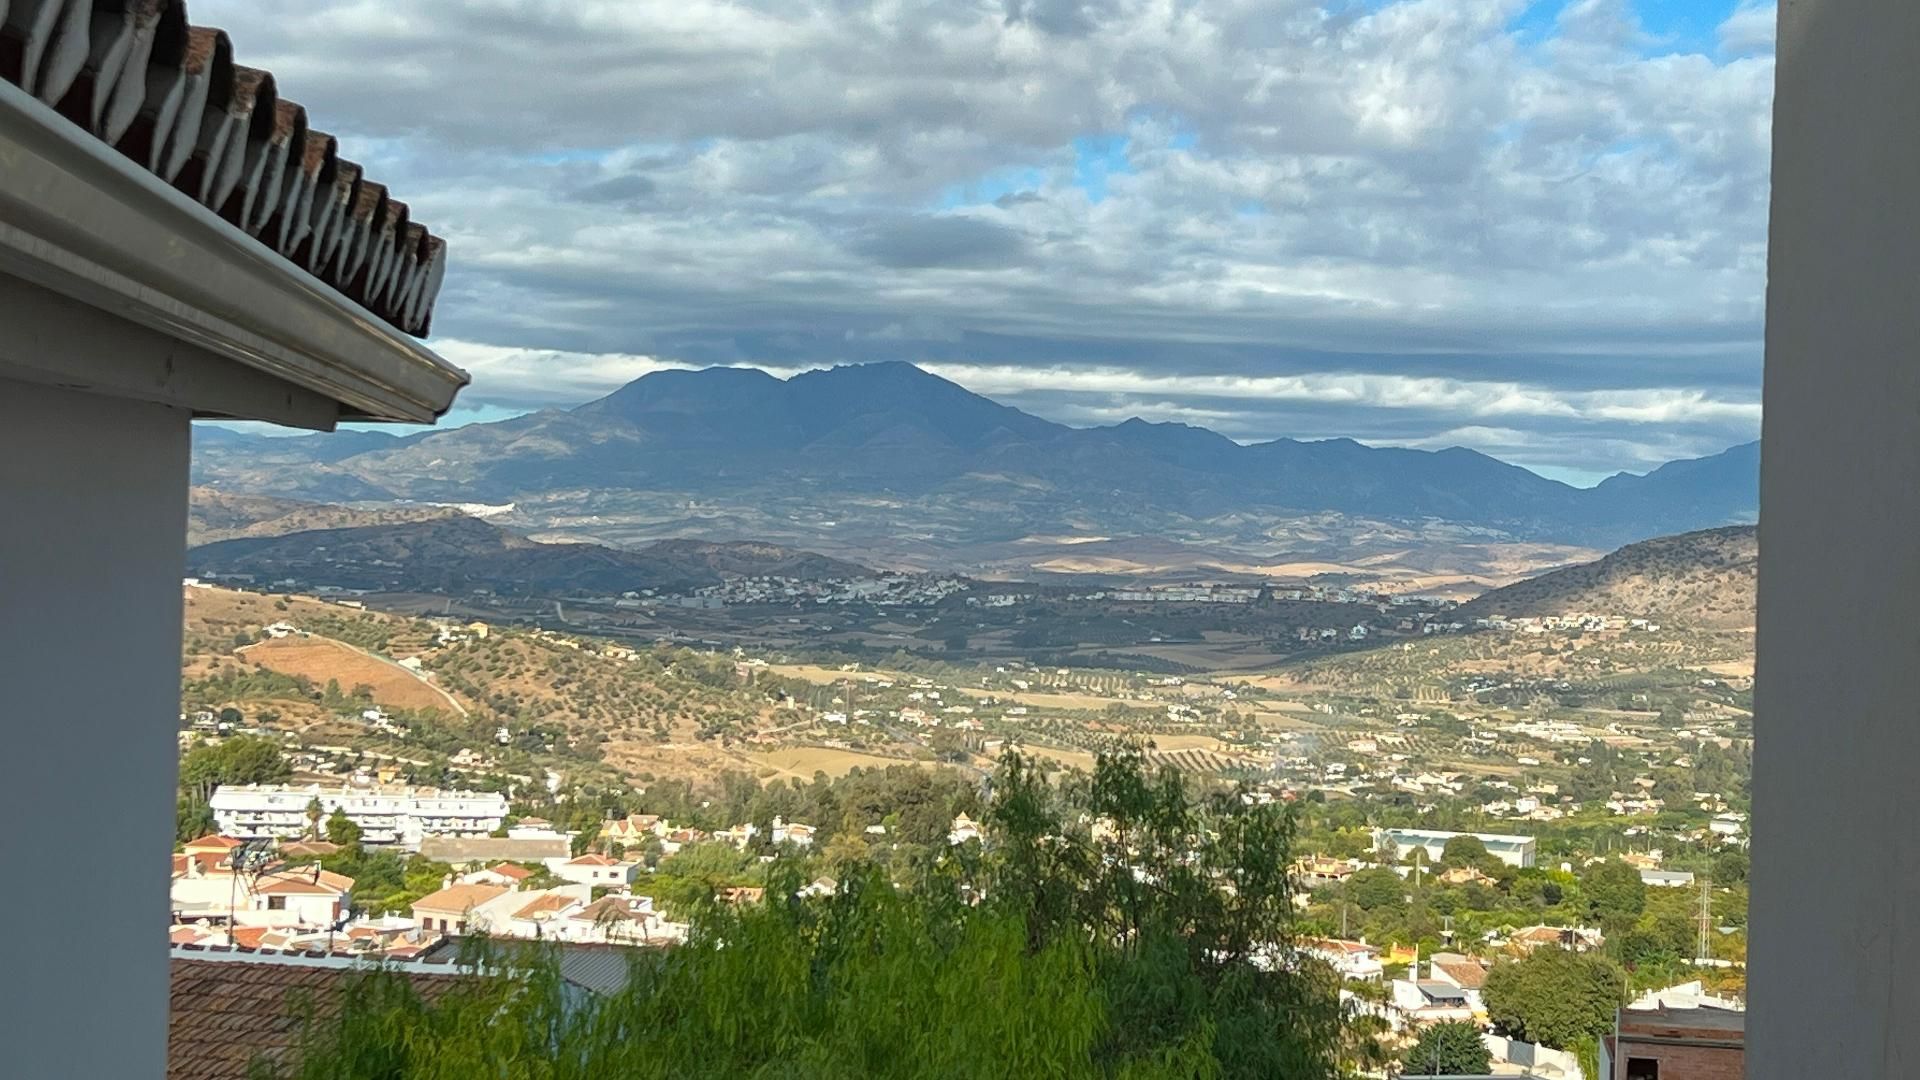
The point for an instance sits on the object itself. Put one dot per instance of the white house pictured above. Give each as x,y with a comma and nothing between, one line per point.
1352,959
1419,1002
592,869
451,910
505,875
791,832
301,897
623,920
964,829
1466,973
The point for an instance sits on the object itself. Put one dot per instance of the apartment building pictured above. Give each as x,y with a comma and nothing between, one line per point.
403,815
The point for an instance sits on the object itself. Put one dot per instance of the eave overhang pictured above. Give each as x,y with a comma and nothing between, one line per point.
83,220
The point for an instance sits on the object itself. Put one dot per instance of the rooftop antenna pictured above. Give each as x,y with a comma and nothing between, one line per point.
251,857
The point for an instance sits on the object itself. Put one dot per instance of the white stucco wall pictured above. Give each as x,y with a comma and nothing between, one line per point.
1835,937
92,530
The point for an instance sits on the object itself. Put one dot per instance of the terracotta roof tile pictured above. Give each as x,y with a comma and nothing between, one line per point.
225,1012
171,97
546,904
459,898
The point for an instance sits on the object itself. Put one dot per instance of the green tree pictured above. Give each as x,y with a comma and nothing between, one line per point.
1077,958
1465,850
1554,996
1450,1048
192,820
315,812
242,759
1730,867
1614,893
1377,889
342,829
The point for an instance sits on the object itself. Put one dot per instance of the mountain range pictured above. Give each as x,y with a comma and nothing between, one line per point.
889,455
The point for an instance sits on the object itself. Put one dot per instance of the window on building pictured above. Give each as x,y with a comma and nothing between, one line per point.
1643,1069
276,903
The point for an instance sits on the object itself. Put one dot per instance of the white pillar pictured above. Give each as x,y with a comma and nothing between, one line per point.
92,531
1836,837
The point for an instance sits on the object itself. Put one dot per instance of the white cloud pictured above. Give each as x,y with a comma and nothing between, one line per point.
1355,204
1751,28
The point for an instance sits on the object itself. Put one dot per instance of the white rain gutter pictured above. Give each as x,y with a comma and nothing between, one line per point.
81,219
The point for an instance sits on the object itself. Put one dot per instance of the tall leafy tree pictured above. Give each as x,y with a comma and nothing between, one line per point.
342,829
1614,893
1554,996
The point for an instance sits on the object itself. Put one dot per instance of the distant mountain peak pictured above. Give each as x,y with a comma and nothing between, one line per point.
889,449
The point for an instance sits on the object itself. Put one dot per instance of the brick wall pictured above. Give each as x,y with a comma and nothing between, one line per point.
1684,1062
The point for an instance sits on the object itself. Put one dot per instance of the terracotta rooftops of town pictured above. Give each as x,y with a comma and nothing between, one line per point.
1465,971
612,909
592,860
225,1012
173,99
211,842
1338,945
459,898
509,870
548,903
303,879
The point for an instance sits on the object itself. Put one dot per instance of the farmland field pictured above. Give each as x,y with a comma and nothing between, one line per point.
321,659
804,761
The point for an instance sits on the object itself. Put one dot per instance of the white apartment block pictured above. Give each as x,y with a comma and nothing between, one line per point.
385,815
1513,850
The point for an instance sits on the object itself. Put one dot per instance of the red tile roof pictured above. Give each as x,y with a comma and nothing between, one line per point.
212,841
509,870
170,97
224,1012
303,881
458,899
1465,972
546,904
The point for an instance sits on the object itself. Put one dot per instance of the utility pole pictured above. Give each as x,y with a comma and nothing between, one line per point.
1706,916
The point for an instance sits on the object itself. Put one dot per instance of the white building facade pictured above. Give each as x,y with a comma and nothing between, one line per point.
385,815
1510,849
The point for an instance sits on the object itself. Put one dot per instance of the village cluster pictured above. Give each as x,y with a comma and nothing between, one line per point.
257,882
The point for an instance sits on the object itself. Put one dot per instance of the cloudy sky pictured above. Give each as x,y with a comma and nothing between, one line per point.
1532,228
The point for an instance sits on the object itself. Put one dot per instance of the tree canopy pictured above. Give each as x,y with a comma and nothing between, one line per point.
342,829
1615,894
1155,949
1555,997
1464,850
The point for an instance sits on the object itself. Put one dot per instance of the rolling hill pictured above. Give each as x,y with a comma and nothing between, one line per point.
885,457
214,515
1703,579
453,553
